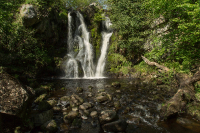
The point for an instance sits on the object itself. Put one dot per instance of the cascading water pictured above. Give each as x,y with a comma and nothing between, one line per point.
106,34
84,55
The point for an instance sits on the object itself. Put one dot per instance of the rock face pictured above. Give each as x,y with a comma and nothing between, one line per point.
14,97
29,15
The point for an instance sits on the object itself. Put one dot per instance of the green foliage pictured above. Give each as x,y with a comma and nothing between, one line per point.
180,47
131,20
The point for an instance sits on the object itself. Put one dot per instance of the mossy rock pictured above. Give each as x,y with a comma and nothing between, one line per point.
50,126
79,89
44,105
41,98
52,102
65,98
116,84
40,91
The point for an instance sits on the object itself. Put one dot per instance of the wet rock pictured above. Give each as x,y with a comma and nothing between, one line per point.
79,89
85,106
15,97
65,98
29,15
107,86
116,84
107,116
102,97
40,98
75,100
50,126
94,114
118,91
117,104
116,126
75,109
40,118
89,94
133,120
56,109
52,102
70,116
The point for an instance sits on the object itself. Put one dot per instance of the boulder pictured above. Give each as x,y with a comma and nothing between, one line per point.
40,98
40,118
85,106
15,97
94,114
107,116
29,15
116,126
70,116
102,97
75,100
65,98
50,126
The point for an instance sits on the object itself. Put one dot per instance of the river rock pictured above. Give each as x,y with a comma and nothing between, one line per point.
94,114
75,100
56,109
40,98
107,116
79,89
50,126
117,104
133,120
29,15
52,102
75,109
65,98
40,118
116,126
70,116
116,84
15,97
102,97
85,106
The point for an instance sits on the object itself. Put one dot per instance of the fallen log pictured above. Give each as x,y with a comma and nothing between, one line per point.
184,95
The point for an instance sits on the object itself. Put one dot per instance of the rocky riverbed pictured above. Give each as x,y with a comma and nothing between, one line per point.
103,105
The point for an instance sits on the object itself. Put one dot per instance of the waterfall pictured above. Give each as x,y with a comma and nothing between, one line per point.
80,53
106,34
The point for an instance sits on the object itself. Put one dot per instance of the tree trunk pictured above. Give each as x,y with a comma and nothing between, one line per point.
183,96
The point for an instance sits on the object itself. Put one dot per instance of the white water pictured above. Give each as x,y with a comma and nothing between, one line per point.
84,52
106,34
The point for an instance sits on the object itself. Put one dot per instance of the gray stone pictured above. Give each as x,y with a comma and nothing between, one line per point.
94,114
29,15
50,126
85,106
102,97
70,116
75,100
107,116
116,126
52,102
65,98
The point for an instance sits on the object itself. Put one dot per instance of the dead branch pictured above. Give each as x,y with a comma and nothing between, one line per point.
155,64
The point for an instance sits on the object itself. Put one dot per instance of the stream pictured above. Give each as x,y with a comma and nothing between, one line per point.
139,105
